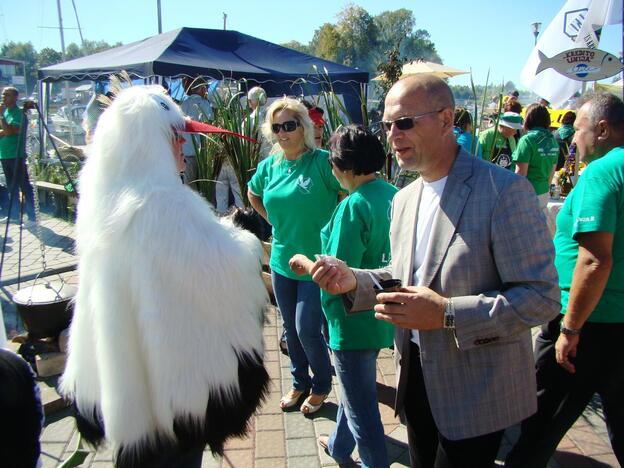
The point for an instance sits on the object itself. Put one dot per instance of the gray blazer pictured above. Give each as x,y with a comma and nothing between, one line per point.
492,253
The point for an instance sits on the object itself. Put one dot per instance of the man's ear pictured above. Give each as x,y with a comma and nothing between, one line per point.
603,130
448,118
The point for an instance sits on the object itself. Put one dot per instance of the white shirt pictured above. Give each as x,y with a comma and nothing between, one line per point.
427,210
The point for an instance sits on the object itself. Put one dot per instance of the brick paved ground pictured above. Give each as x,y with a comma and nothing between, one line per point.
279,439
276,439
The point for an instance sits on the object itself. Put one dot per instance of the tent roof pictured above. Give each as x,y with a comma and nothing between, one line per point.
208,52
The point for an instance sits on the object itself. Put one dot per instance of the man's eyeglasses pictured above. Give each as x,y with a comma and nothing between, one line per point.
405,123
288,126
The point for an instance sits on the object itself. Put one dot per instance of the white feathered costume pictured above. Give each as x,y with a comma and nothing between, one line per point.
166,342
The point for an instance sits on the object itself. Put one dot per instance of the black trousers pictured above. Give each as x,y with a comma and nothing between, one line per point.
562,397
430,449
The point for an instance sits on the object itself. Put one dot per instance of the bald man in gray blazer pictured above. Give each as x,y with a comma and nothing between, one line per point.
472,249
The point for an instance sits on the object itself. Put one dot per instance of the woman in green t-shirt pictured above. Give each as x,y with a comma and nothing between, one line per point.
295,190
537,152
357,233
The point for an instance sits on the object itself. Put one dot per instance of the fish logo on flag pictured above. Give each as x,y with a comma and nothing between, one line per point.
581,64
577,25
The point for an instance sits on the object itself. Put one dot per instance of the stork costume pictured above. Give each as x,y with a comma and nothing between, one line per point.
157,363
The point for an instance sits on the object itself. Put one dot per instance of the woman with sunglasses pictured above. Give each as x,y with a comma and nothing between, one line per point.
295,190
358,234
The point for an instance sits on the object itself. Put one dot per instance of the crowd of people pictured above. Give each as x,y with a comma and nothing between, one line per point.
452,271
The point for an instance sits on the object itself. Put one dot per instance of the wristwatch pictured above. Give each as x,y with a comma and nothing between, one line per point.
569,331
449,314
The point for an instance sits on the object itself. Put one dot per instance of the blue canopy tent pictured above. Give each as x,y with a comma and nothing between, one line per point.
219,54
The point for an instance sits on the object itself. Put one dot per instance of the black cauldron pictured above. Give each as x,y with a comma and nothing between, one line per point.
46,308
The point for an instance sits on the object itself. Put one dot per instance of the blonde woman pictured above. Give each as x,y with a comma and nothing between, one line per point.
294,190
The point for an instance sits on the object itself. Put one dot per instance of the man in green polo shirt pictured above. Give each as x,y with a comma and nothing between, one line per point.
12,154
582,351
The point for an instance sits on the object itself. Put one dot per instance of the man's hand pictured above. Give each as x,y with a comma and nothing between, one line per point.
300,264
333,275
415,307
564,349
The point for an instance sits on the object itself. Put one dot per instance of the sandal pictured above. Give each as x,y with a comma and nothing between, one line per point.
323,441
291,399
308,407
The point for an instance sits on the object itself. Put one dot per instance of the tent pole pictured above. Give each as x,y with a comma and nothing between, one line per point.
159,17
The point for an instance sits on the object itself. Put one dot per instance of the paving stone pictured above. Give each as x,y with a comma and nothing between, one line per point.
270,422
237,443
273,369
238,458
270,463
271,404
270,444
59,431
270,356
49,364
301,447
297,426
566,444
386,365
588,441
303,462
399,435
52,453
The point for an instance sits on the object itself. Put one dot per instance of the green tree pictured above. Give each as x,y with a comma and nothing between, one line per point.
394,27
358,37
391,70
398,27
509,87
418,45
296,45
26,52
326,42
48,56
73,50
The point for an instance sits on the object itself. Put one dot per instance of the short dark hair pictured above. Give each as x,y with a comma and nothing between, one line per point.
568,118
604,106
11,89
462,118
513,106
537,116
355,148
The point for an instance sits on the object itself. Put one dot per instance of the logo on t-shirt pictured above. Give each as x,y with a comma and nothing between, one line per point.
304,184
503,160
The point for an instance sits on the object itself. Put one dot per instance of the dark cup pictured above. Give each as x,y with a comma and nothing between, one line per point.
389,285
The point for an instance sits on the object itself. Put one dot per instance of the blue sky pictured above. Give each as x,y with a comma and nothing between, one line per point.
494,34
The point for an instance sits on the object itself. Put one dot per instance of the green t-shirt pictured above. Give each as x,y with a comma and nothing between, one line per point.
497,150
540,149
358,233
595,205
8,144
299,197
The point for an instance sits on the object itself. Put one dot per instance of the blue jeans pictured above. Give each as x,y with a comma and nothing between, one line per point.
358,420
300,305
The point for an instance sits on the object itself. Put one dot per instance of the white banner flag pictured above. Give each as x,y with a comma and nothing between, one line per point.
574,26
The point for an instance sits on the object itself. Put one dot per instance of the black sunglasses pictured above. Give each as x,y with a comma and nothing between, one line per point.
405,123
288,126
